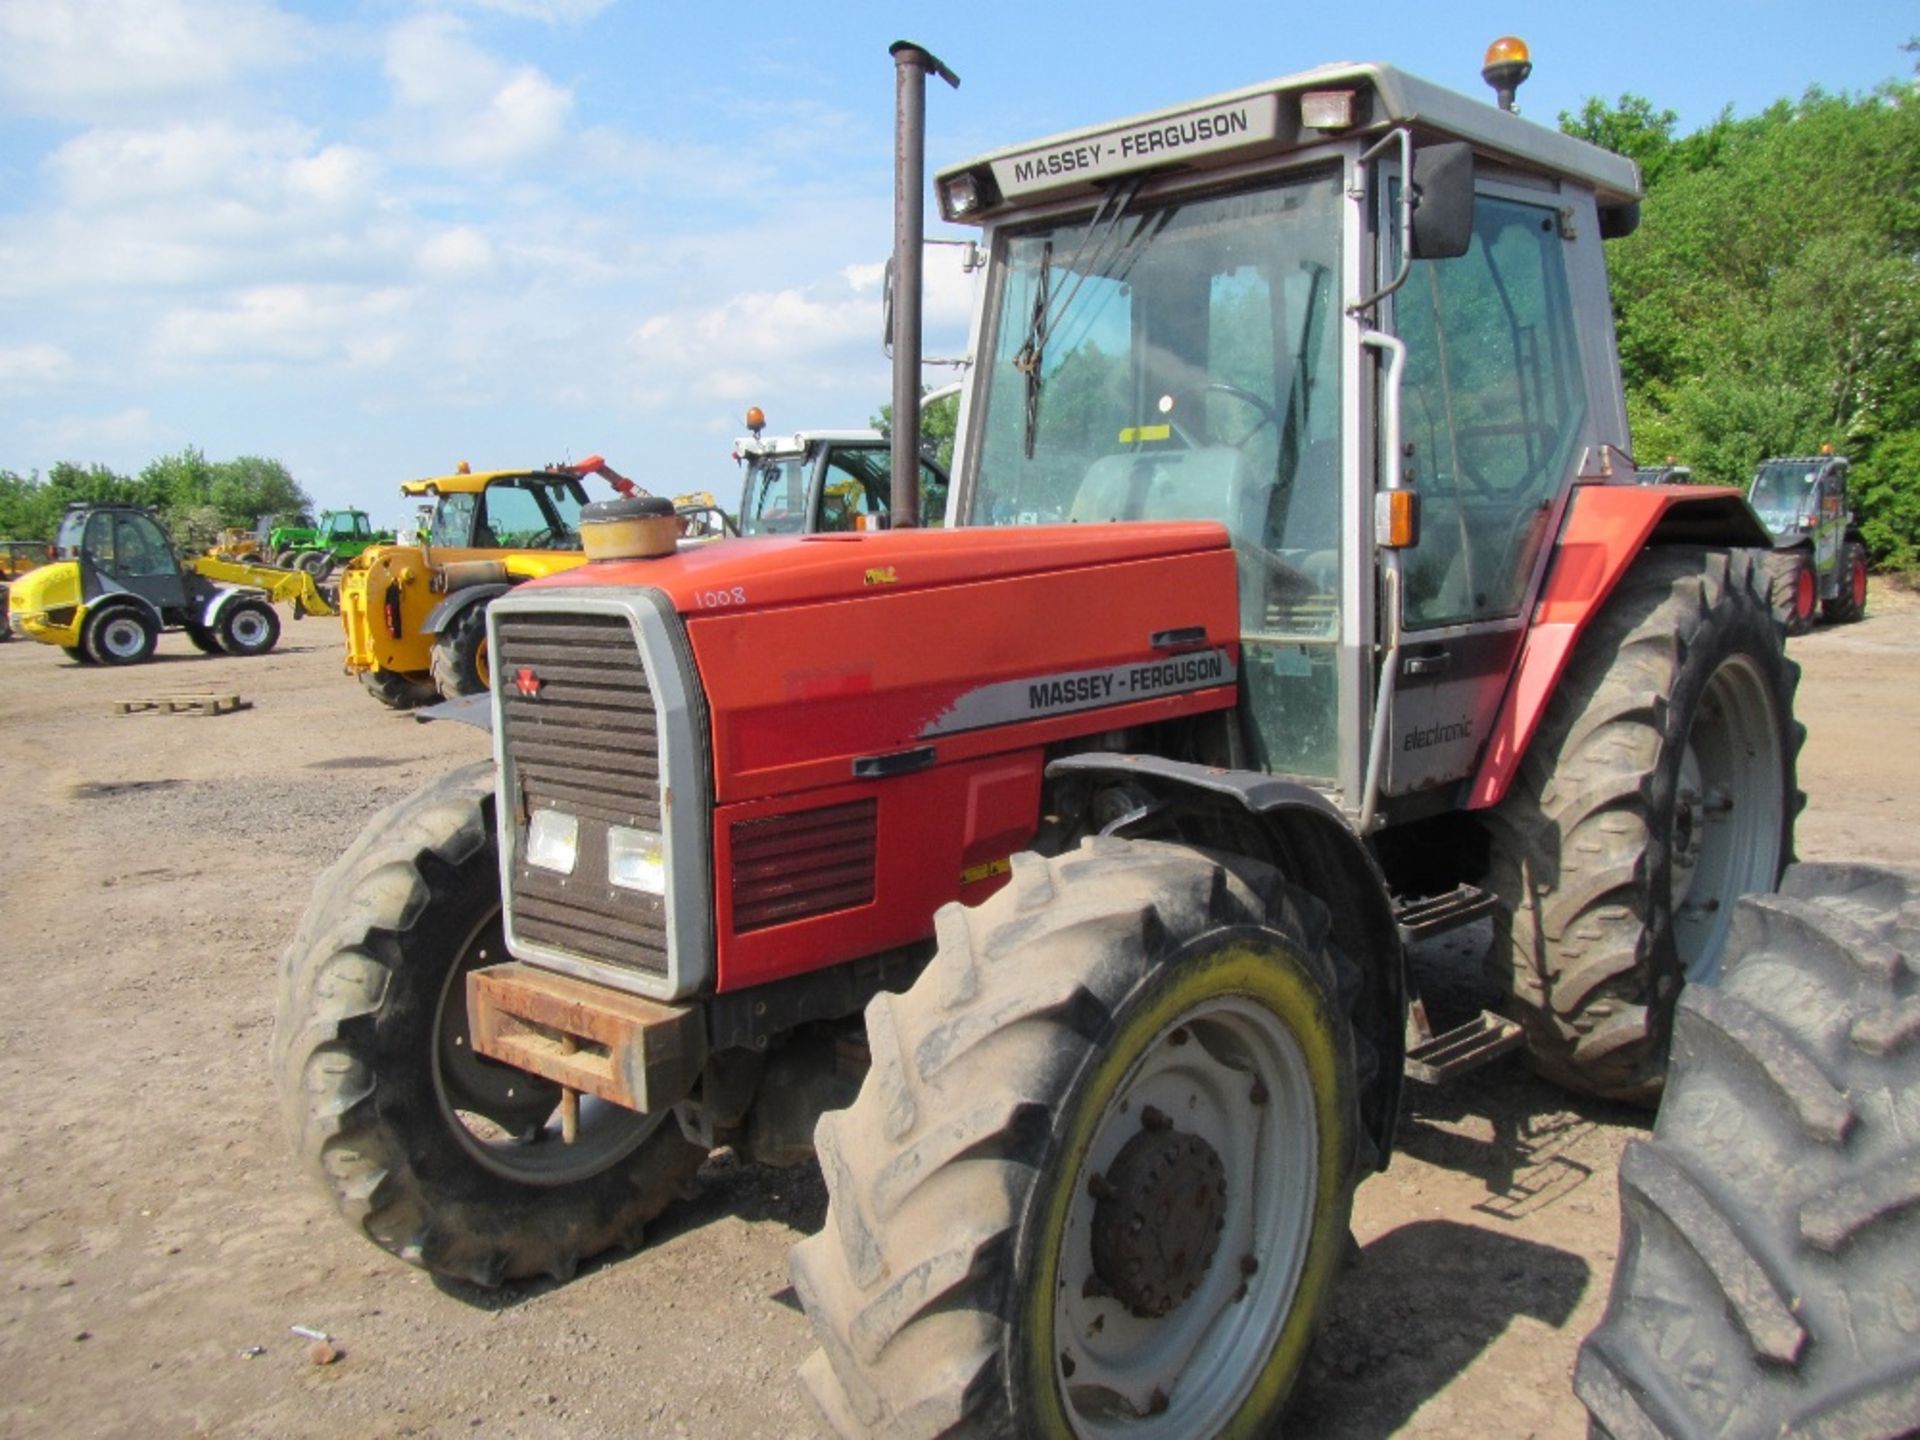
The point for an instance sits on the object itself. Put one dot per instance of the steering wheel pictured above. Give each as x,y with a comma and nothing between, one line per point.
1268,413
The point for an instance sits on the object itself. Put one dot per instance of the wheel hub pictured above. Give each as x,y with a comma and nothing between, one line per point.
1158,1217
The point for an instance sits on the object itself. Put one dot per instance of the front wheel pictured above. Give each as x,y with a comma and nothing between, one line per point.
248,627
1099,1177
1658,789
317,563
460,660
448,1160
397,691
1851,603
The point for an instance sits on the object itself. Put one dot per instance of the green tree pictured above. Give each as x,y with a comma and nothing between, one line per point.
1770,301
937,424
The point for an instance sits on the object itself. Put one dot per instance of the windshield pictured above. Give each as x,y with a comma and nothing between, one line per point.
776,496
1784,490
1180,361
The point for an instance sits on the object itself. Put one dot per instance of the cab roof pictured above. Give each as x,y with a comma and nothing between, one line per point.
1265,119
800,441
477,481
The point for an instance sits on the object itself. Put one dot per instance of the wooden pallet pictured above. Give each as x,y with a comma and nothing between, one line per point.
182,705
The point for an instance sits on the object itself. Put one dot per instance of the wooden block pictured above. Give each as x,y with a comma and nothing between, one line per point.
182,705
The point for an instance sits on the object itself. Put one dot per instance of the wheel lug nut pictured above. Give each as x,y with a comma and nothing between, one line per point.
1100,1188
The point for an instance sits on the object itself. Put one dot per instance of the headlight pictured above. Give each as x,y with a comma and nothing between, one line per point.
553,841
637,860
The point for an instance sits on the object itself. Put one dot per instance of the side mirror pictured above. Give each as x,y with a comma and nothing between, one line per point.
1442,201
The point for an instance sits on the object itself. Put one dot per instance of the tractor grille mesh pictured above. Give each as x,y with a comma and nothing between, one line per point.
586,743
788,867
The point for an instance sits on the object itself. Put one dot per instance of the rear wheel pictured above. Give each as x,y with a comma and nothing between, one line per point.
460,659
1769,1274
119,636
203,640
450,1161
1851,602
397,691
248,627
1098,1179
1658,789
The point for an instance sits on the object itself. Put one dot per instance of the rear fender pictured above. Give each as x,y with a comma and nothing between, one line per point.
442,615
1312,843
1607,526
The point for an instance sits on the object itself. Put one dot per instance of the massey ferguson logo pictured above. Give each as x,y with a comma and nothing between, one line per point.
528,682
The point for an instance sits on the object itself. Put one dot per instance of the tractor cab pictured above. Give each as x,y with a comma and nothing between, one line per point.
823,481
1240,310
122,548
1793,497
504,510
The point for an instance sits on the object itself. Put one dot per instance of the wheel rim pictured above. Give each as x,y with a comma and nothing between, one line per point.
122,637
506,1119
1729,804
248,628
1226,1084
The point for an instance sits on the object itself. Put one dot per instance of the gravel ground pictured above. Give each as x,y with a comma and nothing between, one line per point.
156,1240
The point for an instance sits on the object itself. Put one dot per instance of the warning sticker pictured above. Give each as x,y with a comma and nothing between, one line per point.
1008,702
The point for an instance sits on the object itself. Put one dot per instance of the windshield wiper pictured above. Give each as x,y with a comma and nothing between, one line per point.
1045,315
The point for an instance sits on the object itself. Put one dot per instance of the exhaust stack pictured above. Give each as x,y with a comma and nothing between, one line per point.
911,64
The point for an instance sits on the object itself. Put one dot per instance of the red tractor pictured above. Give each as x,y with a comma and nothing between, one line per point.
1051,876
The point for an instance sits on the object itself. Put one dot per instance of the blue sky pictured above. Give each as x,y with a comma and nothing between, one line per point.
375,239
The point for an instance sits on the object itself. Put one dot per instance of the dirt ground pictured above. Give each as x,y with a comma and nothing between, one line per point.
156,1240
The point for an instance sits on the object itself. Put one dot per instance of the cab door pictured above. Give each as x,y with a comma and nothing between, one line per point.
1495,411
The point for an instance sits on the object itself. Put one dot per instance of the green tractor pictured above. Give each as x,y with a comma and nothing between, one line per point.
318,549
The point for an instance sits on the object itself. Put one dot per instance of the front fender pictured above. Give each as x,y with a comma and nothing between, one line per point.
442,615
1315,846
222,598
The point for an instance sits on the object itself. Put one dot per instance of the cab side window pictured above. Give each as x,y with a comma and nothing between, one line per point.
1493,405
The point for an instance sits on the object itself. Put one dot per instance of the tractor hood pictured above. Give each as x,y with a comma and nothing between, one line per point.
776,572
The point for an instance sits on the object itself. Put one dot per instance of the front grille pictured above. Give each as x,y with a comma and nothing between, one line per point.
584,742
789,867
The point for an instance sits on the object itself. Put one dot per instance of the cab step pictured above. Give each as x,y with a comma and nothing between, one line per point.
1434,1059
1424,916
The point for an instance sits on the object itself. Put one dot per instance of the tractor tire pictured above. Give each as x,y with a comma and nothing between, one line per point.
1659,787
397,691
975,1256
460,661
1769,1273
1851,603
77,654
204,640
1793,590
449,1161
119,635
317,563
248,627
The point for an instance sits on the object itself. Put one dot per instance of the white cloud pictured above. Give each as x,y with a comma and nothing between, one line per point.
552,12
456,254
123,433
298,324
33,364
258,167
79,59
461,108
